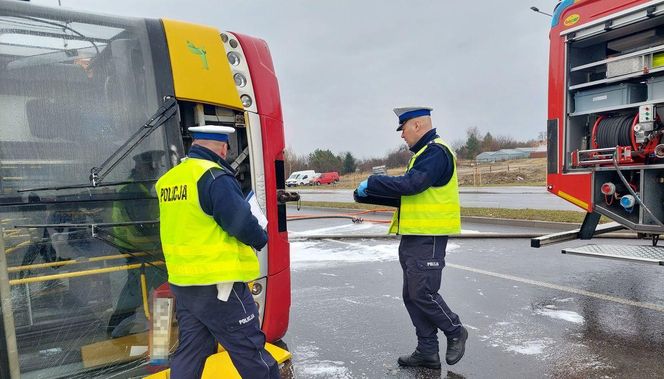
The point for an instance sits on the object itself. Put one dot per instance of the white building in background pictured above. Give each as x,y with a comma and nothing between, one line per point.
502,155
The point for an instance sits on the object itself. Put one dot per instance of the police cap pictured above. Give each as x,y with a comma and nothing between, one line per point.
408,113
211,132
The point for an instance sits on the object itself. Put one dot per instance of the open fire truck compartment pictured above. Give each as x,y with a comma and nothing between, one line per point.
606,117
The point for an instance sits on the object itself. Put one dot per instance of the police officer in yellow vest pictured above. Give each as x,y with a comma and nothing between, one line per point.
208,236
428,211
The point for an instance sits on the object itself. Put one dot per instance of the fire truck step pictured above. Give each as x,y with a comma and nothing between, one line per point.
640,253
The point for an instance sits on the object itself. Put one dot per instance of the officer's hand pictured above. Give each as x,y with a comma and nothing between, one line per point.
362,189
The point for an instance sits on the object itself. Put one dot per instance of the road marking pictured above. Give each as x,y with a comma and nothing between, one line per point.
654,307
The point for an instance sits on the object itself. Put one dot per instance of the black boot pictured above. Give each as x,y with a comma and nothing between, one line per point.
418,359
456,347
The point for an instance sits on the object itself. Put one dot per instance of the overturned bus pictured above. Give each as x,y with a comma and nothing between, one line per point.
93,110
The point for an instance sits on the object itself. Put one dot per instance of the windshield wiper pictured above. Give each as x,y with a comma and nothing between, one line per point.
163,114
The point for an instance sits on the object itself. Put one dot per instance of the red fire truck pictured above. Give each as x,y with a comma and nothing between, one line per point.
93,110
604,129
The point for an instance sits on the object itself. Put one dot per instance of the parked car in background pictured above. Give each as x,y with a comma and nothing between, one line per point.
379,170
326,178
300,178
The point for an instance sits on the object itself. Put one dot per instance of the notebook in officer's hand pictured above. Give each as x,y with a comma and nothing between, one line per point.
256,210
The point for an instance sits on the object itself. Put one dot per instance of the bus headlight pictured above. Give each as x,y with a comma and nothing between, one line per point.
240,81
233,43
234,58
256,288
246,100
224,37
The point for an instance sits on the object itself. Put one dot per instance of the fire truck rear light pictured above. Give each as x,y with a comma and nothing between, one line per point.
608,188
162,319
256,288
246,100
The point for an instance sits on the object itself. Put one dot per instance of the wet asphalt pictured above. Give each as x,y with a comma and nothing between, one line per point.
530,313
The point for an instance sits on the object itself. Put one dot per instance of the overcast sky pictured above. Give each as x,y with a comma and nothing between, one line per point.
343,65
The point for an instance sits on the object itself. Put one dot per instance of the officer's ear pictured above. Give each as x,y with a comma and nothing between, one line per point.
417,124
224,147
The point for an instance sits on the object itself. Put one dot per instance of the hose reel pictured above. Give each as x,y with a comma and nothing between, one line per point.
614,131
625,131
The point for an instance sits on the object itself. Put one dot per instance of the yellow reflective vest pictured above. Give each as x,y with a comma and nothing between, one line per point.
435,211
197,250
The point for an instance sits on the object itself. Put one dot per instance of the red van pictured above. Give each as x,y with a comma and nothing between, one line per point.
327,178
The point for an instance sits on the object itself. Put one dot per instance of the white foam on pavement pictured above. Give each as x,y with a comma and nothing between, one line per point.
529,348
323,253
311,254
561,315
309,366
512,337
340,229
324,369
346,229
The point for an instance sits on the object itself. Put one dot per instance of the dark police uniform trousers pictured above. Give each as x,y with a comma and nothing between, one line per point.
203,320
422,260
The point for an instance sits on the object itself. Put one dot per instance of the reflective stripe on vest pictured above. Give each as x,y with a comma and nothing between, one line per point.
436,211
197,250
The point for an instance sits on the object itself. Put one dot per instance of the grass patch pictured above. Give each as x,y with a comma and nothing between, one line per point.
525,214
514,214
516,184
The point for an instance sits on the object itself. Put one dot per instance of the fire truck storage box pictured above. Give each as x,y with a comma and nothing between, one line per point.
624,66
656,88
609,96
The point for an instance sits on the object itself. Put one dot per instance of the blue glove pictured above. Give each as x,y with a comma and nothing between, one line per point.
362,189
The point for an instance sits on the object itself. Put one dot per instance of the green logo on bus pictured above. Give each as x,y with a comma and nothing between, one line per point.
200,51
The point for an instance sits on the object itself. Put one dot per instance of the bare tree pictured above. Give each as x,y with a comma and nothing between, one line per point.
398,157
294,162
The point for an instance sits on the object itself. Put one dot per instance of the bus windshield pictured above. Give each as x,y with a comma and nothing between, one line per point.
72,92
73,88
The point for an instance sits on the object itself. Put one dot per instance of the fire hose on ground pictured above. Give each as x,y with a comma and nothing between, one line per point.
356,219
354,216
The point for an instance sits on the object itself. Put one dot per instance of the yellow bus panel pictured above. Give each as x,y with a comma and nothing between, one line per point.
219,365
201,72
